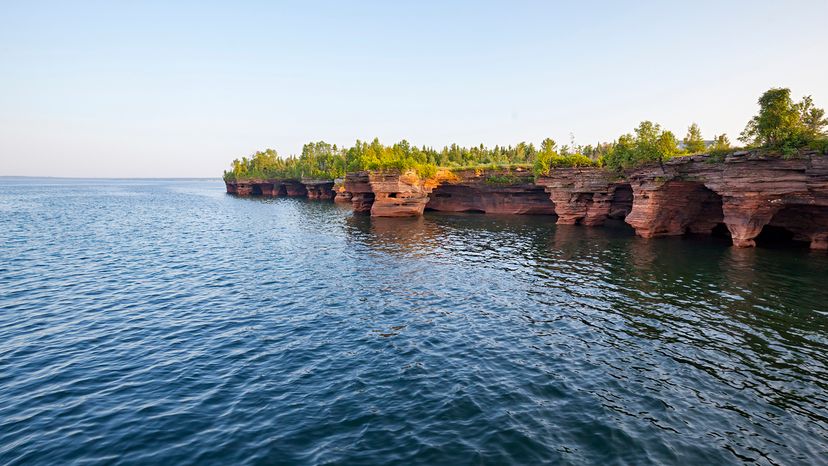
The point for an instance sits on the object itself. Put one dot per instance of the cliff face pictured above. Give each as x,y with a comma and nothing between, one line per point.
313,189
398,195
491,192
746,192
319,189
295,188
587,196
359,187
340,193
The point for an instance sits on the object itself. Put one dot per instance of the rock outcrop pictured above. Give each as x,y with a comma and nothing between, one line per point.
340,193
362,196
746,192
295,188
587,196
313,189
319,189
398,194
743,195
491,192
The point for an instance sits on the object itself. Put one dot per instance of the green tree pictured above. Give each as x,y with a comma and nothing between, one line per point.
650,144
720,143
812,118
778,122
693,142
543,159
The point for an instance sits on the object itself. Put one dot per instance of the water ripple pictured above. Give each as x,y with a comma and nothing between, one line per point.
147,322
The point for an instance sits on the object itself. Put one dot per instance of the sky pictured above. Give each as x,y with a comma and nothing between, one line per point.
179,89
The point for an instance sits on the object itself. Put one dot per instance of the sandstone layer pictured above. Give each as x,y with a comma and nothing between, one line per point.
340,193
361,194
748,196
746,192
491,192
319,189
587,196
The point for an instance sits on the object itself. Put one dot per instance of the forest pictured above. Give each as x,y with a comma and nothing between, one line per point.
781,126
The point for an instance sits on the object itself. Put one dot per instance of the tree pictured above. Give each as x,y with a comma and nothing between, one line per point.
720,143
693,142
548,145
622,153
778,122
543,159
813,119
650,144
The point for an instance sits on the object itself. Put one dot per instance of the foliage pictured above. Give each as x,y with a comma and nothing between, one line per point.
780,125
820,144
318,160
720,148
720,143
693,142
550,158
507,178
650,144
321,160
784,125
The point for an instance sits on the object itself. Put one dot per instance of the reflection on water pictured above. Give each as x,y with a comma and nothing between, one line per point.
171,323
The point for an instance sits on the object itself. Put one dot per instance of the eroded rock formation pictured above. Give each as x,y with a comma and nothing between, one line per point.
745,194
491,192
362,196
319,189
398,194
587,196
340,193
751,189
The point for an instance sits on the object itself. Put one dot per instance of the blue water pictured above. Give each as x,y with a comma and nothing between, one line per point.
165,322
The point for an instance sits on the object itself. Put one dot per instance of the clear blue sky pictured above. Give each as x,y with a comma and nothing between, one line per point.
137,89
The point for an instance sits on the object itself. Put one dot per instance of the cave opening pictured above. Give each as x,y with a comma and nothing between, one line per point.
621,202
454,198
703,212
720,231
775,236
794,226
256,190
281,190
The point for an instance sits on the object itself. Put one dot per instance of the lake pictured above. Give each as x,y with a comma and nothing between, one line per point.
166,322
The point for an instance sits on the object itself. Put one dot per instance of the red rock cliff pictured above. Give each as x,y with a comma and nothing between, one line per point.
398,194
746,193
492,192
319,189
359,187
587,196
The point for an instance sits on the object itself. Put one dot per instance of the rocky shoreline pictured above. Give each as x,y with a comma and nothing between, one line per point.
740,196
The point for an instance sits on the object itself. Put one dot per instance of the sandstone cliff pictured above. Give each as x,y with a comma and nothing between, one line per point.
743,195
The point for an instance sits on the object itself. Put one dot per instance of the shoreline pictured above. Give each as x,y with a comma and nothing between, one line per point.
743,196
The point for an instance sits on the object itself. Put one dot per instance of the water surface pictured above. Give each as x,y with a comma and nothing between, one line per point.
165,322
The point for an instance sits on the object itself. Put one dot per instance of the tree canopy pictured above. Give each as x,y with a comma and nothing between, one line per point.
694,142
781,125
650,144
